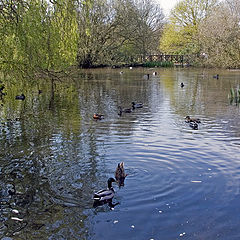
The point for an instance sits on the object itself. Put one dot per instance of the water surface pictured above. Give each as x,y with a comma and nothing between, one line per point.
181,184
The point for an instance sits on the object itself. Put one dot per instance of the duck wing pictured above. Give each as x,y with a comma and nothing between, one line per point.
104,194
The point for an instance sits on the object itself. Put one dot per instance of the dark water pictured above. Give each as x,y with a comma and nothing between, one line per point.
182,183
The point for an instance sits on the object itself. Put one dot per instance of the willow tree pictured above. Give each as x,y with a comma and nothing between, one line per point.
37,36
180,34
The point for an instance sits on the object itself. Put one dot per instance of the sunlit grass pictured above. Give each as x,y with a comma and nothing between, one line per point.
158,64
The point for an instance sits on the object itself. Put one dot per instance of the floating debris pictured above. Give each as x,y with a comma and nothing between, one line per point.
196,181
17,219
15,211
182,234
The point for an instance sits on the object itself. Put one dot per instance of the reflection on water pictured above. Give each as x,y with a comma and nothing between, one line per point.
181,182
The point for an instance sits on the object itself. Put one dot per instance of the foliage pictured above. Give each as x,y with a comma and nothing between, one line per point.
37,37
158,64
41,37
219,36
177,40
179,35
117,31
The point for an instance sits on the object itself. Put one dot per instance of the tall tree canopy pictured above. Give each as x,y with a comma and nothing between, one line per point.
219,36
118,30
179,35
49,36
37,36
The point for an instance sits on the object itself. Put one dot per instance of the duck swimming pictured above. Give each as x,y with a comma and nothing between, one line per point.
120,174
20,97
193,125
136,105
182,85
105,194
123,110
216,76
98,116
188,120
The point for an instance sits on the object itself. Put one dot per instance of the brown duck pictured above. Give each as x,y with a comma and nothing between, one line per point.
120,174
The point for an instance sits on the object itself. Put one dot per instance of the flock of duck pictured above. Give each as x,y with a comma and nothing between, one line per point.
106,195
193,122
121,110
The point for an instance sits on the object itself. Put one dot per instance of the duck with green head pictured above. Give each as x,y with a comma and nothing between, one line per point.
137,105
188,120
105,194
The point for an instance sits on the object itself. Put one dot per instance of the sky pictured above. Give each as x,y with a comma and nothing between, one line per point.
167,5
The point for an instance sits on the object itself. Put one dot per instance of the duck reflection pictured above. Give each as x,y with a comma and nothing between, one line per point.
101,203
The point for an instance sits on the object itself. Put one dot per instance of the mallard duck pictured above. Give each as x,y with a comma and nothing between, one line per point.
193,125
98,116
182,85
216,76
20,97
123,110
188,120
136,105
120,174
105,194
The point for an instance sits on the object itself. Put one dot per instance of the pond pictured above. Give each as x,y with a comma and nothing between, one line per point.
182,183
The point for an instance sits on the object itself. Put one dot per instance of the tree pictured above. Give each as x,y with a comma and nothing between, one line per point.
117,31
219,36
179,35
37,36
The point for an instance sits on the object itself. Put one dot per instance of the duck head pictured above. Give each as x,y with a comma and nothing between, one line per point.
110,181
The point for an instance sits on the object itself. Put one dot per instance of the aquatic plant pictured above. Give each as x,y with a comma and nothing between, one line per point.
234,95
